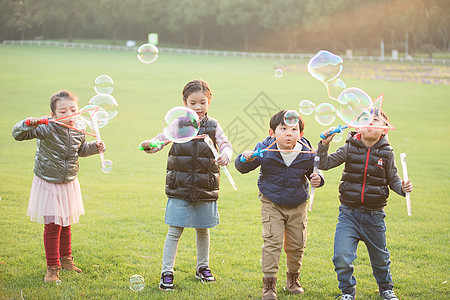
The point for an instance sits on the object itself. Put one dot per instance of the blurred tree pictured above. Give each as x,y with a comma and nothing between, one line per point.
240,17
283,17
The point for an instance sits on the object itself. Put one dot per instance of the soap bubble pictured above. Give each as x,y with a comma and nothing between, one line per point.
337,137
90,113
181,124
137,283
147,53
107,166
103,84
279,73
335,87
107,102
291,118
355,107
325,66
306,107
325,114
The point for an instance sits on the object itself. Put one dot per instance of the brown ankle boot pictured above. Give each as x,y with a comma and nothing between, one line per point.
269,290
67,264
52,274
292,283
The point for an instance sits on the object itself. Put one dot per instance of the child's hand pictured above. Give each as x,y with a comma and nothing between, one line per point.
100,146
326,141
33,122
315,180
223,160
147,148
407,186
248,156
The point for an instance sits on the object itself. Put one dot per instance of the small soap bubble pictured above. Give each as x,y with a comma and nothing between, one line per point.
325,114
147,53
306,107
279,73
291,117
337,137
103,84
137,283
107,166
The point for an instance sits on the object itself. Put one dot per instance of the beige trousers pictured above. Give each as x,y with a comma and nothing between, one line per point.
286,226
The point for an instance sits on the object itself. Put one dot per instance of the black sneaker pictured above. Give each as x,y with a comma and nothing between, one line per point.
204,274
166,282
345,296
388,294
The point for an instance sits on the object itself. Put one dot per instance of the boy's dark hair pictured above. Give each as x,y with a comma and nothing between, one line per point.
382,114
63,94
196,86
278,119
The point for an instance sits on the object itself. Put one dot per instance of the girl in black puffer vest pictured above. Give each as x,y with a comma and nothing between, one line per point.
192,184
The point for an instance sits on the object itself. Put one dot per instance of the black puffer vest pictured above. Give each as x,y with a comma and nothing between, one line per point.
364,180
192,172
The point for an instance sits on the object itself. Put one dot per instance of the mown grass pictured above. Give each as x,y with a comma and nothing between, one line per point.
123,230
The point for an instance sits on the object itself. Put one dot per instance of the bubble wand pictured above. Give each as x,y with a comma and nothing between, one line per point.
313,189
157,143
106,163
405,178
46,120
209,142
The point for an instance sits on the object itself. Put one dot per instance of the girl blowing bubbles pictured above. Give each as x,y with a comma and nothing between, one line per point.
192,185
55,197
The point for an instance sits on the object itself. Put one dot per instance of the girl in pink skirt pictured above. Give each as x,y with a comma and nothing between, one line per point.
55,197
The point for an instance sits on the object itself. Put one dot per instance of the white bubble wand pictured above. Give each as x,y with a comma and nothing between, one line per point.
405,178
313,189
209,142
106,163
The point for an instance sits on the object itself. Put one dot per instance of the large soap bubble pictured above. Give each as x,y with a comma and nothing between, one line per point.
355,107
306,107
335,87
147,53
107,102
93,113
325,66
325,114
181,124
103,84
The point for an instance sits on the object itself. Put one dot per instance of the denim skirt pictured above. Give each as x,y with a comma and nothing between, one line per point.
199,214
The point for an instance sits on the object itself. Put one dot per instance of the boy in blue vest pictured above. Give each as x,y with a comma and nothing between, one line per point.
369,171
283,191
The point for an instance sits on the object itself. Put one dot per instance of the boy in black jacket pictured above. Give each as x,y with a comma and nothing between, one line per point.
369,171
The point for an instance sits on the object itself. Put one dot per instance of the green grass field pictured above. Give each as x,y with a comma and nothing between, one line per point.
123,231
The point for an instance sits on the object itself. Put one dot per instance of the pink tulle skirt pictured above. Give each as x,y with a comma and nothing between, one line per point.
58,203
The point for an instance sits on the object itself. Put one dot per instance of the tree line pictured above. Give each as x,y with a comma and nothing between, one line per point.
244,25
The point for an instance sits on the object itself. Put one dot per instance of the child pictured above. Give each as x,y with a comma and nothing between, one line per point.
363,192
192,185
283,191
55,197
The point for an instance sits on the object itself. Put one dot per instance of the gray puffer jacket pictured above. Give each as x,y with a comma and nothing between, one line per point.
58,149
